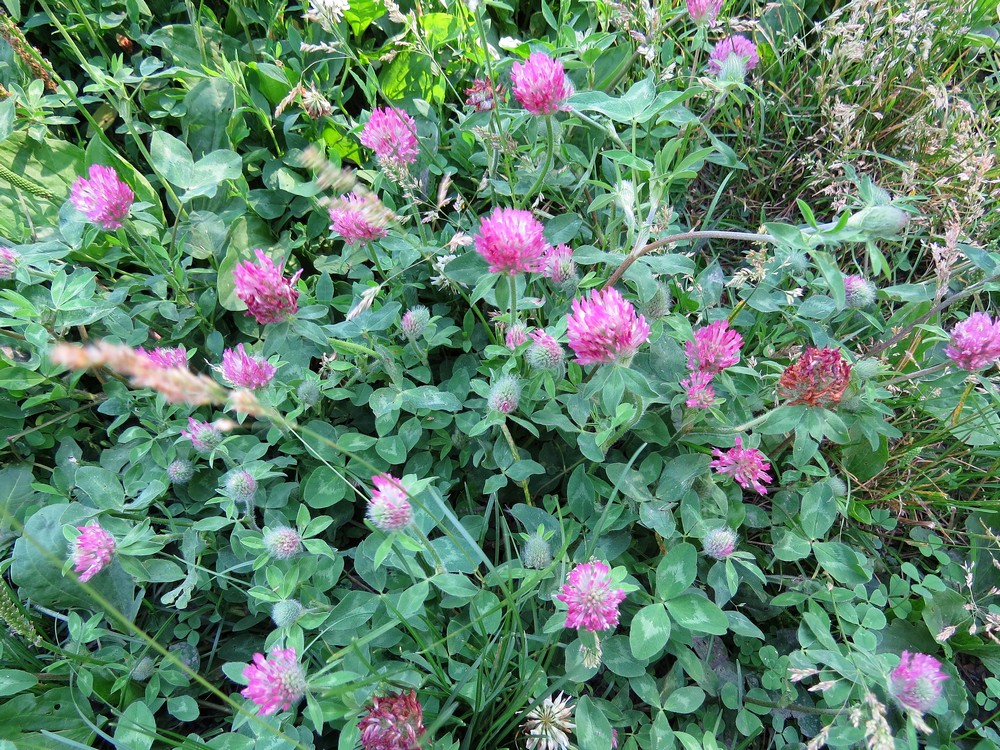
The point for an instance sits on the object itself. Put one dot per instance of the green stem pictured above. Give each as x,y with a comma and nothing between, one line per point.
795,707
917,374
549,147
513,299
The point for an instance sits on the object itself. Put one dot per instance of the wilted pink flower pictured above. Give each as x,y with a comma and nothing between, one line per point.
104,198
547,725
356,218
505,394
720,543
818,378
282,543
735,55
700,393
604,327
394,722
748,466
484,96
517,334
858,291
269,297
714,348
8,262
92,551
392,134
244,370
203,435
704,12
545,353
165,356
975,342
511,241
276,683
593,604
917,681
540,84
389,508
558,264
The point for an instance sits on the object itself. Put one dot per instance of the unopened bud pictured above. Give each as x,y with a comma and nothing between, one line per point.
180,471
241,486
659,305
505,394
308,393
287,612
720,543
414,322
283,543
537,552
880,222
545,353
860,292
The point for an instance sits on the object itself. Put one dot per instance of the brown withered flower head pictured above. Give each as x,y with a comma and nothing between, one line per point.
484,95
818,378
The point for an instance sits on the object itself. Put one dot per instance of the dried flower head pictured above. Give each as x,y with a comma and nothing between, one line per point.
276,683
714,348
917,681
732,58
592,603
720,543
282,543
165,356
540,84
358,219
547,725
394,722
104,198
818,378
700,393
92,551
242,370
604,328
268,295
484,96
392,134
975,342
204,436
748,466
505,394
8,262
511,241
327,13
389,508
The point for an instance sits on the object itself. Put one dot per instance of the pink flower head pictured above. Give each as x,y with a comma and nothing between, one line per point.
748,466
604,327
505,394
714,348
511,241
975,342
916,682
242,370
165,357
283,543
104,198
389,508
593,604
517,334
720,543
269,297
700,393
356,219
540,84
395,722
733,57
92,551
483,96
558,264
276,683
8,262
392,134
704,12
545,353
204,436
818,378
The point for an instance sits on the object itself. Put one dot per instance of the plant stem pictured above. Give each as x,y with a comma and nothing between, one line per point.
794,707
919,373
513,299
549,147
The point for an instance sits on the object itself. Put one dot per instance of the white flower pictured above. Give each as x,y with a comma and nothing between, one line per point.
547,725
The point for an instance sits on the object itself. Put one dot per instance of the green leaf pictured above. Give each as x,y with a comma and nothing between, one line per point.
102,487
843,563
819,510
593,730
323,488
789,546
685,700
19,378
649,632
676,571
698,614
183,708
136,728
455,585
14,681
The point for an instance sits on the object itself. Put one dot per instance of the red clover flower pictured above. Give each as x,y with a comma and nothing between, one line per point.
540,84
704,12
714,348
394,722
355,218
276,683
505,394
511,241
818,378
92,551
204,436
917,681
975,342
732,58
545,353
558,265
392,134
282,543
517,334
103,198
8,262
700,393
720,543
604,328
269,297
389,508
592,603
242,370
748,466
859,292
483,96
